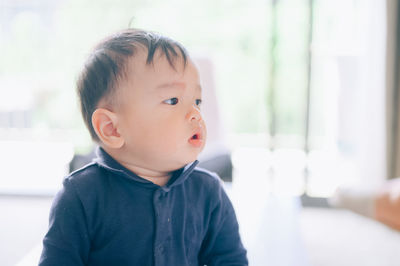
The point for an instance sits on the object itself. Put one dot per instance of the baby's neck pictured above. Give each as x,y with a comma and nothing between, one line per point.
161,181
157,177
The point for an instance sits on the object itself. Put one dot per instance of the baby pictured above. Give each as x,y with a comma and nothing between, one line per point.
142,201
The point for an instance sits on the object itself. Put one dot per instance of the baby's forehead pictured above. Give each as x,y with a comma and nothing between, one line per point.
154,55
142,60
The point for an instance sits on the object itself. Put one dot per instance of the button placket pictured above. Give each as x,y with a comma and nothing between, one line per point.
162,224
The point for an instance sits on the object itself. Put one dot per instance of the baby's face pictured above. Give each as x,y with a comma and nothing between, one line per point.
159,116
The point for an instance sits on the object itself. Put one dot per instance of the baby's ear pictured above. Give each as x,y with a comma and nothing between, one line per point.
105,125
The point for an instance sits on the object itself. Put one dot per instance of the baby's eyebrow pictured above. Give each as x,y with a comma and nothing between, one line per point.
173,85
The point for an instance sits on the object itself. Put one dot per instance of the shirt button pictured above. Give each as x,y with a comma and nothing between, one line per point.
160,249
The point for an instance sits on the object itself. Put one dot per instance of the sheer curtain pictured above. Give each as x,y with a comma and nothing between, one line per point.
370,100
348,109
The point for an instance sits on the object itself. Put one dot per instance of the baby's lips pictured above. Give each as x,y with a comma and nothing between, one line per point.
197,138
196,142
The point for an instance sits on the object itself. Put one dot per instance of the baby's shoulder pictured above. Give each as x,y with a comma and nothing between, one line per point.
205,187
84,172
205,178
88,177
89,184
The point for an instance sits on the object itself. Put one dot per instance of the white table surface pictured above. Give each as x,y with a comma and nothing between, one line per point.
270,228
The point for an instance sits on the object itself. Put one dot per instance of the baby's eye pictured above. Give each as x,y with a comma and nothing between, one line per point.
172,101
198,102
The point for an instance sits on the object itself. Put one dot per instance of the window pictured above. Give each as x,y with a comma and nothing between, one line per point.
260,49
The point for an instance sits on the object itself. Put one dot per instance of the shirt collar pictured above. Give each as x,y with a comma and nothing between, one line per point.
105,161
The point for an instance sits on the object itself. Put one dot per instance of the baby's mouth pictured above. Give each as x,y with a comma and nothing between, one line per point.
196,140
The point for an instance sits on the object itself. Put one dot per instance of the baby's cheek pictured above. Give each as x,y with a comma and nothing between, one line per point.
170,139
204,127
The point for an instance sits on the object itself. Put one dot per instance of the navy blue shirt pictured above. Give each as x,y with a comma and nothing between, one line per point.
107,215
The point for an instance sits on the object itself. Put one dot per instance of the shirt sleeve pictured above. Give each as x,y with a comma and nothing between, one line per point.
67,241
222,244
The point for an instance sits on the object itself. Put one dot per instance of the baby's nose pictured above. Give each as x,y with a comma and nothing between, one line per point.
194,114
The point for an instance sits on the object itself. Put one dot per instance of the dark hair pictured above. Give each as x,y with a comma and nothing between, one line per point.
106,65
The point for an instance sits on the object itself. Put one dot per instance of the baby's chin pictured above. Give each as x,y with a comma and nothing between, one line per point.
178,161
178,165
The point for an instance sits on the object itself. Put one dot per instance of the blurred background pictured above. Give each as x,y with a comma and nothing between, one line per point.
304,95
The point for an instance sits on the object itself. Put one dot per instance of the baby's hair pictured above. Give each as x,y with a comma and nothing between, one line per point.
107,65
